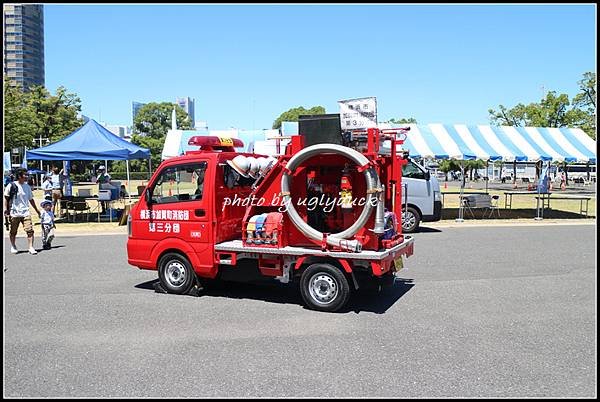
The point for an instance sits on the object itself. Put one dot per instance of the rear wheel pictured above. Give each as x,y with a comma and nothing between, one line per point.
175,273
410,220
324,287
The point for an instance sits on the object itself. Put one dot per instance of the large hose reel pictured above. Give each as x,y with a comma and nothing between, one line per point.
374,196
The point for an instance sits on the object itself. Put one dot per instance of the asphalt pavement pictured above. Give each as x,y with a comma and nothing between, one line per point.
477,312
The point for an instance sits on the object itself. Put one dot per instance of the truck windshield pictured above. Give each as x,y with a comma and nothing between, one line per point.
412,171
180,183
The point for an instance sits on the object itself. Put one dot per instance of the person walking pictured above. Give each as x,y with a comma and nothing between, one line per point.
18,196
47,223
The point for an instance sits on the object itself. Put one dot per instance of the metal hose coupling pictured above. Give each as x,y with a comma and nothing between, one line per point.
379,227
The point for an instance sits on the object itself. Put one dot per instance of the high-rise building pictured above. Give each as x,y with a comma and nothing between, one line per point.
135,108
200,125
187,104
24,44
118,130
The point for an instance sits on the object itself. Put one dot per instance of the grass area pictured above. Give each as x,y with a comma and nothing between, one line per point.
527,201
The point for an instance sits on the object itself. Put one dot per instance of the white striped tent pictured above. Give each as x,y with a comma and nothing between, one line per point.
493,143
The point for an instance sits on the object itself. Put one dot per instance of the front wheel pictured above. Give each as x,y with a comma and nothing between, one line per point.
410,220
324,288
175,273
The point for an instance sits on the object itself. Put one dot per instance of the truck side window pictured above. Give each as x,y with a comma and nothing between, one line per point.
412,171
180,183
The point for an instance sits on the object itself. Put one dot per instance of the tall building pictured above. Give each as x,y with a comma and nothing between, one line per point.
200,125
118,130
24,44
135,108
187,104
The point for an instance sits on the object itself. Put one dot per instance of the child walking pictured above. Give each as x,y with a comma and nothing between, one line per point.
47,222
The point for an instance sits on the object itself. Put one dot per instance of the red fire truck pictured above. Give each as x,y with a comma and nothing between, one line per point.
325,216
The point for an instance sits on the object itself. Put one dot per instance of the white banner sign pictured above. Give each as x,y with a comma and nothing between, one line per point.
358,113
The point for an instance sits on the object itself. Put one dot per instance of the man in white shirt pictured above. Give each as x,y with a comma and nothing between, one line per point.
18,196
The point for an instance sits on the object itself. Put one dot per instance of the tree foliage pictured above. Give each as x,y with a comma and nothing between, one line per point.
294,114
29,115
470,166
19,125
403,120
150,127
554,110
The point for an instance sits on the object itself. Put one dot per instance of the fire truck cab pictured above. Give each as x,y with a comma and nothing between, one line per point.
219,214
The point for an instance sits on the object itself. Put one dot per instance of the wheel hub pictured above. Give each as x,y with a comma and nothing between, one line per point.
408,220
175,273
323,288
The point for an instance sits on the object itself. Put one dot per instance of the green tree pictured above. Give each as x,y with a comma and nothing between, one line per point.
150,128
410,120
449,165
56,115
19,124
585,100
29,115
554,110
472,165
294,113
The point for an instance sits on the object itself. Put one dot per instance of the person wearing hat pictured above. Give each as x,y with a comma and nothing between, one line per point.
240,164
103,181
47,222
47,186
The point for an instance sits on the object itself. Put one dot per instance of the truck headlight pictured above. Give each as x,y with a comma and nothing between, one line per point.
437,196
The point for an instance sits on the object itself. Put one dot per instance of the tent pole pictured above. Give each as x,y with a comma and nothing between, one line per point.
128,182
460,197
487,174
537,204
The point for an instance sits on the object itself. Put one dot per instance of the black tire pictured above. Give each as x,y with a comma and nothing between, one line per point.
410,220
176,274
324,287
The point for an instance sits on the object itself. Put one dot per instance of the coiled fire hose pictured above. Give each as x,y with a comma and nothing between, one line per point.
374,193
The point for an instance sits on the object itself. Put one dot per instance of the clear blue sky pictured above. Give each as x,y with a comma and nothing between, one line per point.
245,64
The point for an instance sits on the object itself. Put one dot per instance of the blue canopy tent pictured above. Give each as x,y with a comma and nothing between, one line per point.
92,141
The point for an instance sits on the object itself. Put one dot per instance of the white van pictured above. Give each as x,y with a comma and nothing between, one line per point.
423,199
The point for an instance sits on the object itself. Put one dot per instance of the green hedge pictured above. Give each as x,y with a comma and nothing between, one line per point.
114,176
132,176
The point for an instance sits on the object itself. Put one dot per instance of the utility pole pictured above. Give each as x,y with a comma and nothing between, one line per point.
41,163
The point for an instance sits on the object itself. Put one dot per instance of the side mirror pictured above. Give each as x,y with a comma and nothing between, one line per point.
148,197
427,175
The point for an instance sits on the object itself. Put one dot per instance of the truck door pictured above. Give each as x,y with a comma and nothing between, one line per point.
418,188
181,208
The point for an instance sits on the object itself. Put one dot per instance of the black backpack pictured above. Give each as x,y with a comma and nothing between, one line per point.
13,190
